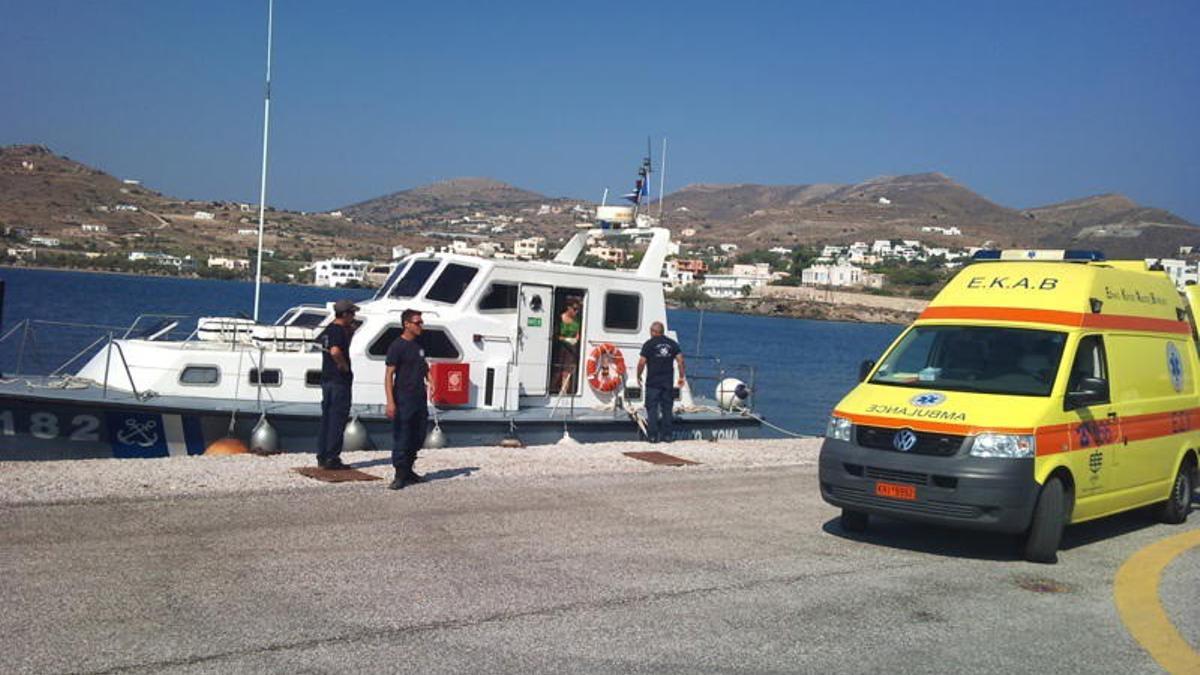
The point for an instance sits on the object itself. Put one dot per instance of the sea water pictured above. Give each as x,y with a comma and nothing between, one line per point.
798,368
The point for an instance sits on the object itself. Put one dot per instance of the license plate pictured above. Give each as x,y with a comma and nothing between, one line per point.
893,491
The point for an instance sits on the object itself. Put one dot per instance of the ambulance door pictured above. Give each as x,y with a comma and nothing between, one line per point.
1095,434
534,321
1153,383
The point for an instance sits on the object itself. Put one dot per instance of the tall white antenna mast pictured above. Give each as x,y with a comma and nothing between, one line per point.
662,179
262,191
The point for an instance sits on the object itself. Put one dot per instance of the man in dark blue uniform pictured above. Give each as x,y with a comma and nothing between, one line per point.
336,380
405,385
659,356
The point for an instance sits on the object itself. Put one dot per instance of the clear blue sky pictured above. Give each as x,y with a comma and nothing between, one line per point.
1026,103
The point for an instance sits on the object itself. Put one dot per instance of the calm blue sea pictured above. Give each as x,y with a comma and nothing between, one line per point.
801,367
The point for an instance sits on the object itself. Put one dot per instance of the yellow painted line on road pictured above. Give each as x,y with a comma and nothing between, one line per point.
1136,593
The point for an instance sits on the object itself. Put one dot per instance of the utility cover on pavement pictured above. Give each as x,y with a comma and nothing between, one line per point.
334,475
660,458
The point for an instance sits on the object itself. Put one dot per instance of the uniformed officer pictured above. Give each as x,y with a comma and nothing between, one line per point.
336,380
405,385
659,356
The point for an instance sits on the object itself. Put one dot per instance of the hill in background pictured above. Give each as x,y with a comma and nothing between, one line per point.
46,194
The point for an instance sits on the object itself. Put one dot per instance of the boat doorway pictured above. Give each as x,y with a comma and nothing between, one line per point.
568,340
534,323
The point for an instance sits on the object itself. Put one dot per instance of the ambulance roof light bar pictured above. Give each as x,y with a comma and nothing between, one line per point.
1042,255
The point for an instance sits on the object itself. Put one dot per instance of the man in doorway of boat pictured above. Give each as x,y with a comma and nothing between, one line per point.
336,380
567,342
405,383
659,356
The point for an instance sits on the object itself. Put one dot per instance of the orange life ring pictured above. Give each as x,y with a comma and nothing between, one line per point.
605,367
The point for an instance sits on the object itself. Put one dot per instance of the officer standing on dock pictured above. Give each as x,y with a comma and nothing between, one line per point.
405,384
336,380
659,354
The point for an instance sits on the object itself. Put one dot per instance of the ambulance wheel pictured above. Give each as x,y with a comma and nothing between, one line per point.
854,521
1049,518
1175,510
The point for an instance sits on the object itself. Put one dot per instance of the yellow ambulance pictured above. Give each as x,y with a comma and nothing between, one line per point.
1038,389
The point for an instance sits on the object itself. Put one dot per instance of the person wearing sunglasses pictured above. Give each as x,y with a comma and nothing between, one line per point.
404,382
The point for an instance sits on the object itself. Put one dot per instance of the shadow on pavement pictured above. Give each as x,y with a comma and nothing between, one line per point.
932,539
432,475
883,531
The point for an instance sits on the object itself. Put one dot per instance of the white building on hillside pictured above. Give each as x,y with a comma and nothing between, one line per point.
609,254
203,215
673,277
229,263
339,272
740,279
400,252
841,276
533,247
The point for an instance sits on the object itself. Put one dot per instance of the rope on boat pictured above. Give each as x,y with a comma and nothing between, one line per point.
760,418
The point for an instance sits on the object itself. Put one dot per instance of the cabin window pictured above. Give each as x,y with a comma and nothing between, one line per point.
499,297
451,283
436,343
269,377
622,311
414,279
308,320
312,378
400,267
200,376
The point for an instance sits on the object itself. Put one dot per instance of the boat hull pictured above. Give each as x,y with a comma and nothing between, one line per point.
40,423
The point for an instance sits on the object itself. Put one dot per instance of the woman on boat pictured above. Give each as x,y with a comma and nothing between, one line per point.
567,348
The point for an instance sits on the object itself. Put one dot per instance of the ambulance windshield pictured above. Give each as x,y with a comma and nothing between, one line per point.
984,359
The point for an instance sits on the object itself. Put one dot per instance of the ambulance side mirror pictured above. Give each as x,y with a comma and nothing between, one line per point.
864,369
1087,392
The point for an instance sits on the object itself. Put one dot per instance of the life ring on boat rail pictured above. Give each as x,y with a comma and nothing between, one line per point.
605,367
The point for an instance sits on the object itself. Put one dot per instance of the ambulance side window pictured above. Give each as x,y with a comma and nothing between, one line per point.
1089,361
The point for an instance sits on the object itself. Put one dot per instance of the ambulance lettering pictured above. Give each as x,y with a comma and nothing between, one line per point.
1010,283
925,413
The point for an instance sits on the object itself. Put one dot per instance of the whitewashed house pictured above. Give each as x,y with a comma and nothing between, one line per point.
530,248
840,276
339,272
733,284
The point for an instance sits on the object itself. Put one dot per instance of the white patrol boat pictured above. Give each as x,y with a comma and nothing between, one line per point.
499,372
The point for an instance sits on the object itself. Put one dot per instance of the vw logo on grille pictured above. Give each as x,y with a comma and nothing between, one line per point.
904,440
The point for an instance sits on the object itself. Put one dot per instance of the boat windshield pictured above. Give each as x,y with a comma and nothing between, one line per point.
414,279
382,292
984,359
282,321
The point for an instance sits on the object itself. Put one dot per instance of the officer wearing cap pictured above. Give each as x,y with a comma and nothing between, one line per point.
336,380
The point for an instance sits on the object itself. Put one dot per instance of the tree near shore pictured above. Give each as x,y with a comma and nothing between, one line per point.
689,296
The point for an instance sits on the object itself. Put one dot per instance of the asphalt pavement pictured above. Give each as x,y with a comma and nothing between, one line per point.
670,571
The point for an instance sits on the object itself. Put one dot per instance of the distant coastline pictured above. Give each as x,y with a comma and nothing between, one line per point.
787,302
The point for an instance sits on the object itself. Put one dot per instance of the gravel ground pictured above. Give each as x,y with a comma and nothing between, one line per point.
23,483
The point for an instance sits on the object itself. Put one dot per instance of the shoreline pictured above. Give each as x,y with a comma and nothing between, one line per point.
73,481
775,304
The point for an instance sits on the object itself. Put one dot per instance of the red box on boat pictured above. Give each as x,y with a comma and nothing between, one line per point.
451,383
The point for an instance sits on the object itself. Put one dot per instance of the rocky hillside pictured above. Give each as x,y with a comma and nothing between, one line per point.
45,194
441,198
761,216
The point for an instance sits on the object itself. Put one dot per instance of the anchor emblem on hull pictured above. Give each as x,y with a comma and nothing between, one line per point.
140,434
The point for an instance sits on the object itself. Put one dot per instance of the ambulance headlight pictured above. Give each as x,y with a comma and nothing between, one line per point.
1003,445
838,429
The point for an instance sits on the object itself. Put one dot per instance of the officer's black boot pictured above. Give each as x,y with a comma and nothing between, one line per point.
399,481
